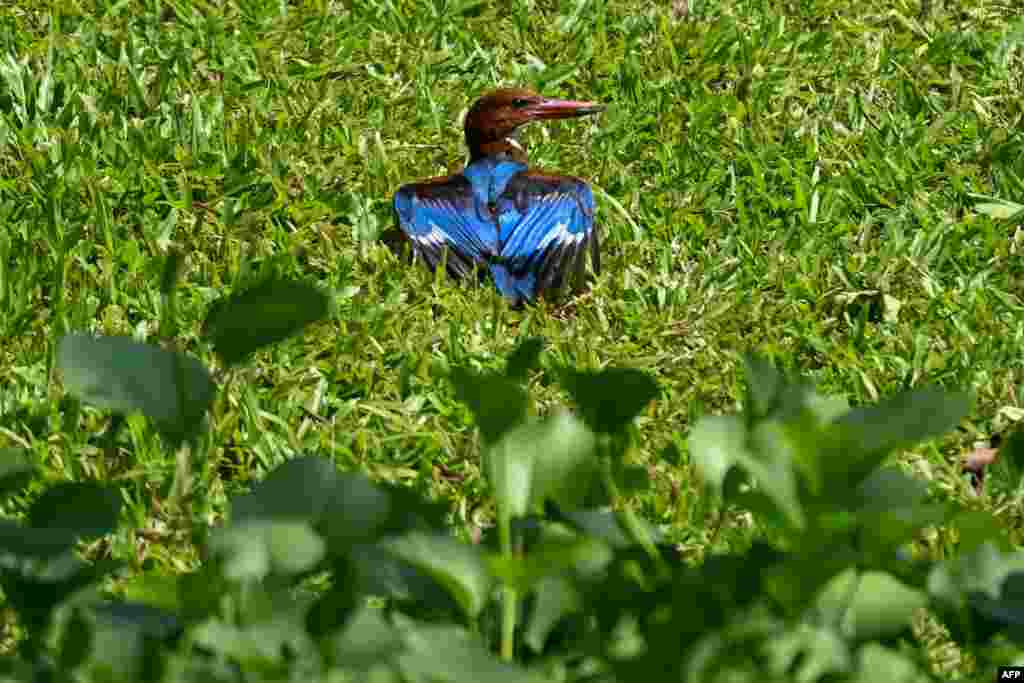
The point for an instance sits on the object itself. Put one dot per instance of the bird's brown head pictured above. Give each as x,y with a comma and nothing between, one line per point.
493,119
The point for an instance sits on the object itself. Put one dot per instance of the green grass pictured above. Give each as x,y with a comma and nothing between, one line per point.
790,179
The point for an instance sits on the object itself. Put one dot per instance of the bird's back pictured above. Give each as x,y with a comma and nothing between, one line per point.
529,228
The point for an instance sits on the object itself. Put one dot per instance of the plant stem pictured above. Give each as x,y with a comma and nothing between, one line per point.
628,519
509,594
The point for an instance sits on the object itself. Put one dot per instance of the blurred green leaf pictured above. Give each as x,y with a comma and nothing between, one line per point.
460,568
345,508
876,662
259,645
366,640
21,542
981,571
465,660
301,488
565,468
15,471
545,459
125,376
806,654
976,528
765,384
497,403
609,399
605,525
524,358
262,315
128,641
889,488
720,443
258,548
378,571
1007,612
903,420
554,598
553,557
870,605
84,509
75,641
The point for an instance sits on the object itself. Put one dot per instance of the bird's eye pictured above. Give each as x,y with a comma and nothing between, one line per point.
520,102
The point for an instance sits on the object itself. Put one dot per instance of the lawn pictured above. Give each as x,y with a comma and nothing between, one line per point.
796,179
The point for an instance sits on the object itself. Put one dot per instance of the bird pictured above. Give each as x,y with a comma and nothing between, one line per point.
529,229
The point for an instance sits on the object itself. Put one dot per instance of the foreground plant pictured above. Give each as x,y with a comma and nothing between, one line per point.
321,574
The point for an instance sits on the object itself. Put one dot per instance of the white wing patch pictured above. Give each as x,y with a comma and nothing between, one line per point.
434,238
560,233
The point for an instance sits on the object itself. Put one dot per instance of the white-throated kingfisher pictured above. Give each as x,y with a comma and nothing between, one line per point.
530,230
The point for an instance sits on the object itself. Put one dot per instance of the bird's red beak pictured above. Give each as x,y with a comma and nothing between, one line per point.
563,109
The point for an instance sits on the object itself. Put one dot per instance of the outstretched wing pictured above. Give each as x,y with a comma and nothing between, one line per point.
440,214
546,228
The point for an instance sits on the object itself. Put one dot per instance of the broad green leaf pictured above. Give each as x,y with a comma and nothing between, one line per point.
715,444
605,525
257,645
127,642
884,532
804,654
15,471
145,619
75,641
1008,610
367,639
301,488
765,384
126,376
826,408
891,509
609,399
981,571
153,589
876,662
201,592
267,313
459,567
508,466
256,549
773,395
719,443
539,460
856,443
345,508
903,420
889,488
552,557
565,467
977,527
870,605
85,509
451,654
35,588
554,598
333,608
377,571
524,358
497,402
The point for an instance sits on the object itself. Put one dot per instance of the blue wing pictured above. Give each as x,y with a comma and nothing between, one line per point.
546,226
441,214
